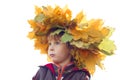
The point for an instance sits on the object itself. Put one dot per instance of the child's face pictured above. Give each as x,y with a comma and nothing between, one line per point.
58,51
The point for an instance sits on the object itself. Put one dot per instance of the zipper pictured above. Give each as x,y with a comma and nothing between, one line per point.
60,71
59,74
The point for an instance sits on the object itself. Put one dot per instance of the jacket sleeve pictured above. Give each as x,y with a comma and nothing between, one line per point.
40,75
37,75
85,76
77,75
82,75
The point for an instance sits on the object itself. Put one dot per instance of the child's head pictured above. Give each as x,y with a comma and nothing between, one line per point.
87,38
58,51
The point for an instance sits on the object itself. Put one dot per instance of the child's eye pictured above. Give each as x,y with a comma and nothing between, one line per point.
49,43
57,43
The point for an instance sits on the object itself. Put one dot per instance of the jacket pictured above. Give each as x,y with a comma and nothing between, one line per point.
52,72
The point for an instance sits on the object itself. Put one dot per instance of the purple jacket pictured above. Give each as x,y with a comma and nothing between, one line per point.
52,72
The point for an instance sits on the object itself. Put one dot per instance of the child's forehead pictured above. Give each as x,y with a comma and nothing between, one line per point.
53,38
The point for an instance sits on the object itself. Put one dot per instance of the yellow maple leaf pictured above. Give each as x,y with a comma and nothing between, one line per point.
38,10
41,44
31,35
79,17
32,23
105,31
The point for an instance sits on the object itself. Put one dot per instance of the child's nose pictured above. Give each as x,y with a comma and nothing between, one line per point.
51,48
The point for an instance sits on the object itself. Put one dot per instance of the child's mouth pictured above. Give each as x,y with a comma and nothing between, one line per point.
52,55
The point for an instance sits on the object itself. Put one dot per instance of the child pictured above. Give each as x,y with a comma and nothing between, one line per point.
63,67
74,46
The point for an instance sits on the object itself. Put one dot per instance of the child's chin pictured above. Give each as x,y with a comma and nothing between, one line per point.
55,61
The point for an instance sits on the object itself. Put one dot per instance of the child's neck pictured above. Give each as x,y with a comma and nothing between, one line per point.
63,65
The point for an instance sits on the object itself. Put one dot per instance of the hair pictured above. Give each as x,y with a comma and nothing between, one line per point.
57,37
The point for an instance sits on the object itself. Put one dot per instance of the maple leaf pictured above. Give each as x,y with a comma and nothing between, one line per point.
107,46
66,38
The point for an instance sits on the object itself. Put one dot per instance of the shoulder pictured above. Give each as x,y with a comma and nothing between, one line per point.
49,65
42,71
82,73
78,74
46,67
85,71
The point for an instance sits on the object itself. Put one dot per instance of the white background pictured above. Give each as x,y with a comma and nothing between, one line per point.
19,60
